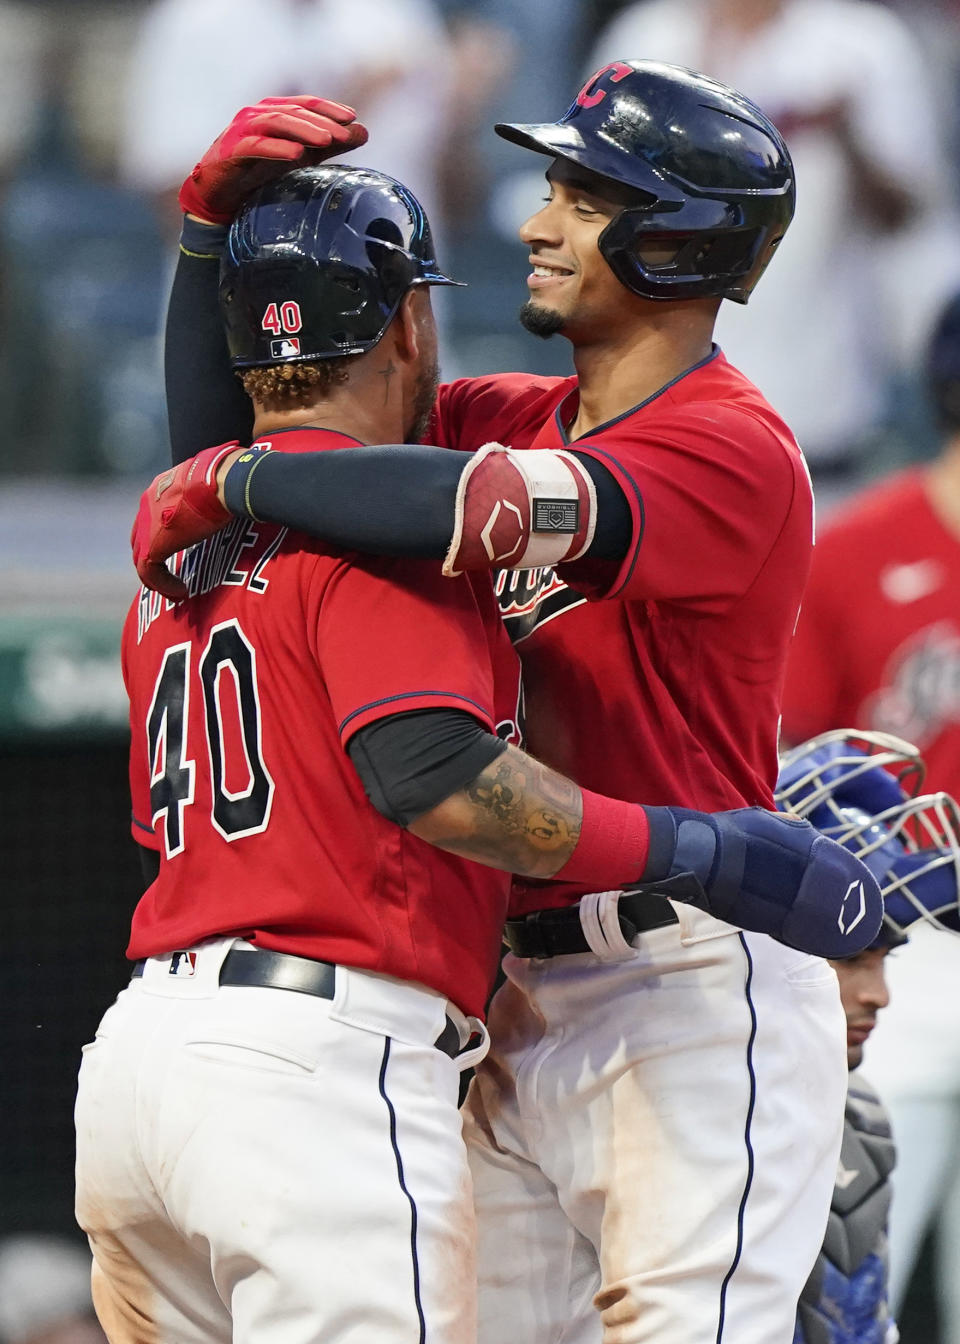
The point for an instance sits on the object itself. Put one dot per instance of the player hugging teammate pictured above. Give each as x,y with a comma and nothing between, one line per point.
669,512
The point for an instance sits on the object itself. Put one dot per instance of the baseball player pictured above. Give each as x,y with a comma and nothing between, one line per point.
895,665
654,1136
844,783
891,661
271,1107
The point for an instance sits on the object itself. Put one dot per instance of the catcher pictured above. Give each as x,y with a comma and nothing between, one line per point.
860,789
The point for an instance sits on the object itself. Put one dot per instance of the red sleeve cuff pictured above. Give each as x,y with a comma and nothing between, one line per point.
613,844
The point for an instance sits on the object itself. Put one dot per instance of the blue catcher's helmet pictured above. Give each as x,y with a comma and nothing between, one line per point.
316,265
842,783
712,174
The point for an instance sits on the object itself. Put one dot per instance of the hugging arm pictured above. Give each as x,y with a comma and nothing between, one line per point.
205,402
385,500
452,783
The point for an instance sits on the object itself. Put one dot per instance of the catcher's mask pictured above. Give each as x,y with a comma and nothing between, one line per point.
317,263
712,174
860,789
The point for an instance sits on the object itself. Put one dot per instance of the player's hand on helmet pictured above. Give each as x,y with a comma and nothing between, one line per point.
179,508
768,873
263,142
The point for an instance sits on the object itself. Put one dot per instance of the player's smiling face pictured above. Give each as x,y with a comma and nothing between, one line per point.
572,289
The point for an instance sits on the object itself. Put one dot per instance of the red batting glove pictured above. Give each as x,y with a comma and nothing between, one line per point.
262,143
178,508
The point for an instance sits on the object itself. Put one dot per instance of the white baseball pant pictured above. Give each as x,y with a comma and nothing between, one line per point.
267,1167
654,1140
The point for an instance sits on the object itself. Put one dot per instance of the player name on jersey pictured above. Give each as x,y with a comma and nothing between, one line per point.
235,557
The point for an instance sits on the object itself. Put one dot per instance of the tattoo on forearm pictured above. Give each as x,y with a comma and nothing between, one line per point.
523,816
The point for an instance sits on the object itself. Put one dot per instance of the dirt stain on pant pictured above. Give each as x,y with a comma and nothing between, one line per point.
123,1297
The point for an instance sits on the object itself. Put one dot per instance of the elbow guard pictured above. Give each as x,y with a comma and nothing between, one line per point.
746,867
520,510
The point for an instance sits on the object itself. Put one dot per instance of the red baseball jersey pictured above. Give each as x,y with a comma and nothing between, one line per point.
671,692
878,643
242,700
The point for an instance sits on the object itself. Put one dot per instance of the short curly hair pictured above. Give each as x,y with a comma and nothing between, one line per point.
284,387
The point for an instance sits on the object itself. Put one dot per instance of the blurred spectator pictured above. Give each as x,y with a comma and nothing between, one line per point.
22,32
514,62
484,53
878,646
82,291
45,1292
197,61
844,308
80,260
525,57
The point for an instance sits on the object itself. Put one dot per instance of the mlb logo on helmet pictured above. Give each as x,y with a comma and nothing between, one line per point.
285,347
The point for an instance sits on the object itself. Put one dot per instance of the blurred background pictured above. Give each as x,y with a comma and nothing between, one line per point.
105,105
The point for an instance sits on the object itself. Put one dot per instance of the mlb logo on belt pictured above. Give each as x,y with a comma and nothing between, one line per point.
183,963
285,346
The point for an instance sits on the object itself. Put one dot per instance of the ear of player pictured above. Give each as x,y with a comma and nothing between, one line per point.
860,789
765,873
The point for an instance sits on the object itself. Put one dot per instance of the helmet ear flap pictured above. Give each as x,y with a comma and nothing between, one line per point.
695,264
730,253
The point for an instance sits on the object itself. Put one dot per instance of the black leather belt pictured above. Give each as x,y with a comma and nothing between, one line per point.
553,933
263,969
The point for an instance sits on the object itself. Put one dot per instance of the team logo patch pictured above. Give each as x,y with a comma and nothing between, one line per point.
285,347
531,597
556,515
183,964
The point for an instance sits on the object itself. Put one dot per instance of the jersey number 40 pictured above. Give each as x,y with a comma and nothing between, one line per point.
234,812
283,317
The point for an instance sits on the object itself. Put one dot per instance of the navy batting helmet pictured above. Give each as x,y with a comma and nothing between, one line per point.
712,174
943,366
316,265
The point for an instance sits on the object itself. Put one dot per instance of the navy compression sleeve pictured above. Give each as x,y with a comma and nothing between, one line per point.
205,402
395,499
